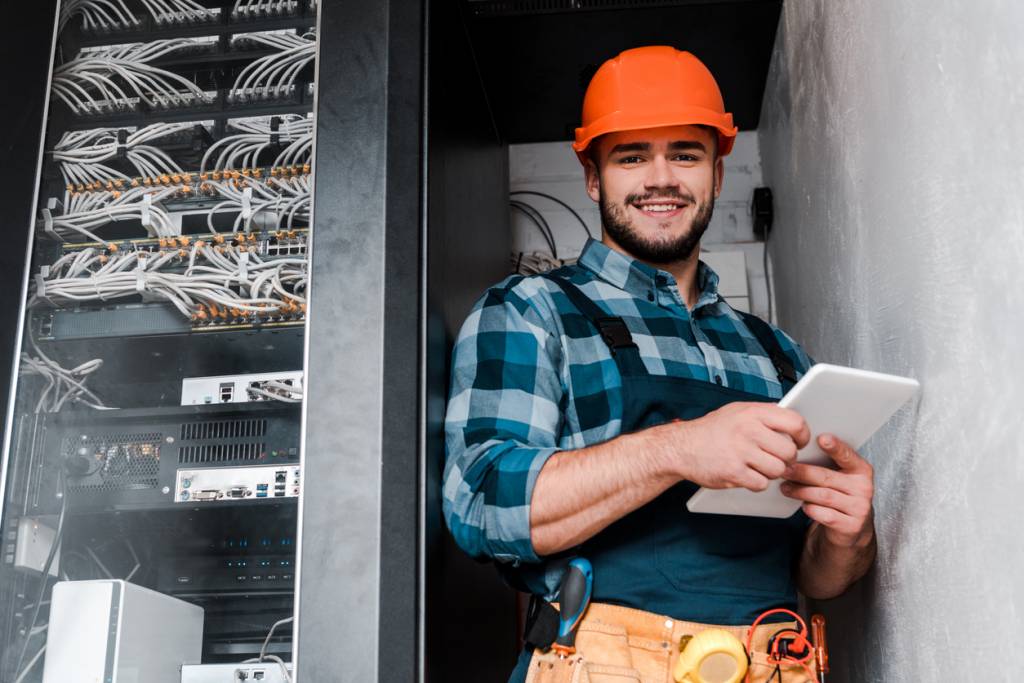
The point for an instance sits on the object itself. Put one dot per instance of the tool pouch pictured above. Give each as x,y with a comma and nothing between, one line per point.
548,667
603,656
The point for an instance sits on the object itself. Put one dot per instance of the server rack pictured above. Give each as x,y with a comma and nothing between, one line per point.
172,145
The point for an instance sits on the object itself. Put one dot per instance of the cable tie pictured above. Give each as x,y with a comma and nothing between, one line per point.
141,278
44,272
122,144
243,267
47,214
247,205
147,218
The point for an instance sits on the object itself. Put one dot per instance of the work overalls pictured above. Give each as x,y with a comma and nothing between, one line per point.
663,559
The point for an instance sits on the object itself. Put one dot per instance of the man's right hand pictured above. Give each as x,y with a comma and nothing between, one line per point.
739,445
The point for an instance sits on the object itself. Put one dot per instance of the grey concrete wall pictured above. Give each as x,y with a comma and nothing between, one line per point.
891,137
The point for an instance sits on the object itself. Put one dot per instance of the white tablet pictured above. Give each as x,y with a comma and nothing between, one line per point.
851,404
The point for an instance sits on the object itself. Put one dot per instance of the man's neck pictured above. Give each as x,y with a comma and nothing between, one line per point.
684,271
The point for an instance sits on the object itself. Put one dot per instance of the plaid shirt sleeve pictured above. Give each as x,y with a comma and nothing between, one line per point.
503,420
794,351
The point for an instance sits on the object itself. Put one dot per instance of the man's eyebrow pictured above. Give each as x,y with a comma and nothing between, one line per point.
631,147
682,145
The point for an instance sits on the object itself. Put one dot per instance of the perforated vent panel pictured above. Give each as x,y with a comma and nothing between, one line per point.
221,452
118,461
223,429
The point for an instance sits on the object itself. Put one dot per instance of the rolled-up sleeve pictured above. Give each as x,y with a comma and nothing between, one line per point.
502,422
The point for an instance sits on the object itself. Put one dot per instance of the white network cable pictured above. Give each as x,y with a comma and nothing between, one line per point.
274,76
203,281
274,658
177,11
118,78
81,155
96,195
115,15
99,15
244,149
274,201
88,213
63,385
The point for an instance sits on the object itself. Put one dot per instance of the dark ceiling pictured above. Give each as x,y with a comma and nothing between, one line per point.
536,56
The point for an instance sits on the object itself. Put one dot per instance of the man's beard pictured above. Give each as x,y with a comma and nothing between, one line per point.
661,252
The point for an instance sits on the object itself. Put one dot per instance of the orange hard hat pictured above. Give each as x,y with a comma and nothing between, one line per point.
650,87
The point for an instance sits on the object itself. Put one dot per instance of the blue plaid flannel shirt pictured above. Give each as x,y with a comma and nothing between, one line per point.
522,388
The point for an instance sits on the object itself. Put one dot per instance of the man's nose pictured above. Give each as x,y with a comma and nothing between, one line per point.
659,173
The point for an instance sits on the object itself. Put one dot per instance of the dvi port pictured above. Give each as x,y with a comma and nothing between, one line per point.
207,494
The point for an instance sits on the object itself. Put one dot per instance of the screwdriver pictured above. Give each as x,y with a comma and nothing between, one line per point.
573,600
820,646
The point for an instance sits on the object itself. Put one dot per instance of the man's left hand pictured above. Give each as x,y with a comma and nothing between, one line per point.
839,500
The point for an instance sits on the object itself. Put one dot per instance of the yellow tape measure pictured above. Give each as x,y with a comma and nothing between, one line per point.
712,656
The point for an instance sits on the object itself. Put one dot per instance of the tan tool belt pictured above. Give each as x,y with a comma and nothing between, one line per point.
622,645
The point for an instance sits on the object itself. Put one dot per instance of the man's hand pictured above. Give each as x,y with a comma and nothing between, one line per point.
739,445
839,500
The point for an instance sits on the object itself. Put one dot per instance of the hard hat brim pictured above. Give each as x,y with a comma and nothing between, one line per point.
619,121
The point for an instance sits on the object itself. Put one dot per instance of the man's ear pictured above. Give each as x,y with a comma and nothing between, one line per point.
593,179
719,175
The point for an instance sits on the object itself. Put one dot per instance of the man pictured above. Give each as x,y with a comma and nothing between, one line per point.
588,405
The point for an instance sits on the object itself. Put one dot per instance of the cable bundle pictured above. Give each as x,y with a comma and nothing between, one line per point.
99,15
178,11
207,283
114,15
274,76
244,149
63,385
81,155
118,78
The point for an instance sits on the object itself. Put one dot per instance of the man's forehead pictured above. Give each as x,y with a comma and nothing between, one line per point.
655,137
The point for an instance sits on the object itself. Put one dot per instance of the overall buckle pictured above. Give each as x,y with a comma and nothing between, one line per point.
615,333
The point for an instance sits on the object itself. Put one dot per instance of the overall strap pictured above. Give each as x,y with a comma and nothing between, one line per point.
613,329
766,337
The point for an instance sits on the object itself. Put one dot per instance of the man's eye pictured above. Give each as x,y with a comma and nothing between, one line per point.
684,157
630,160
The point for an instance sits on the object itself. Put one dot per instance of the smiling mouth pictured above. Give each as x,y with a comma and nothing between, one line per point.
659,209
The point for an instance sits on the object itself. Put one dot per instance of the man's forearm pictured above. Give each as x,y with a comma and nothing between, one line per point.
826,570
578,493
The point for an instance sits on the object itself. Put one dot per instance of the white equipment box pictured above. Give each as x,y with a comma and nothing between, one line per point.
260,386
267,672
112,631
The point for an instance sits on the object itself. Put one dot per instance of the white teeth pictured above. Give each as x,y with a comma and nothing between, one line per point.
659,207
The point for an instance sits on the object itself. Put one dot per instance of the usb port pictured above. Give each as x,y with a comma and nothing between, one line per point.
227,392
262,487
261,494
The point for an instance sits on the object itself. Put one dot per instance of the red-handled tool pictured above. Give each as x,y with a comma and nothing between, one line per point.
820,646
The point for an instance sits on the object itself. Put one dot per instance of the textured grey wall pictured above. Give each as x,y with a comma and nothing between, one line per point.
891,136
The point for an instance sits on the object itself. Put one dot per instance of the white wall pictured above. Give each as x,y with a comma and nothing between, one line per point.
552,168
891,136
